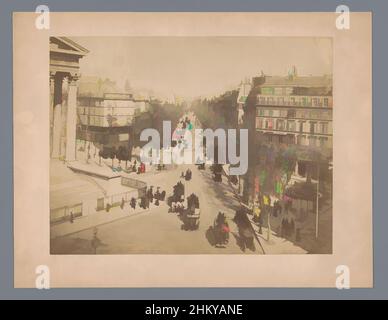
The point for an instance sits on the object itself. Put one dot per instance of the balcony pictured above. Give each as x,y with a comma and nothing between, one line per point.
106,121
295,101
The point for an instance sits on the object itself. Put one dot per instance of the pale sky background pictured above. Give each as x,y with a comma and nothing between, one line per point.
200,66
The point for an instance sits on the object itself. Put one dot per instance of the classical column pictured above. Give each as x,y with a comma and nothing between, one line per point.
71,121
57,116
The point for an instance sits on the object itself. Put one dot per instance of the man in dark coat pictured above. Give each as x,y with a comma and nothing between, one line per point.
133,203
150,194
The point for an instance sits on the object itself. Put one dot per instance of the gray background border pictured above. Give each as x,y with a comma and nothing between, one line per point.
380,155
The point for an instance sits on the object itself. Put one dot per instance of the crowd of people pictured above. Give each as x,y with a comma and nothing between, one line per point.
150,196
268,206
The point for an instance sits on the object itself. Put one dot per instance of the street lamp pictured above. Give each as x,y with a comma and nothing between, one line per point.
317,209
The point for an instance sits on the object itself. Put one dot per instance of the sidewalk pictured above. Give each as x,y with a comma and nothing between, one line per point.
98,218
275,245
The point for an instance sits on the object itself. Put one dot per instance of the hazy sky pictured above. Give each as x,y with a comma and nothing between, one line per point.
200,66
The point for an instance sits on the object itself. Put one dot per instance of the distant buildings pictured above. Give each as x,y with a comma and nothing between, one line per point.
297,111
244,89
93,110
107,117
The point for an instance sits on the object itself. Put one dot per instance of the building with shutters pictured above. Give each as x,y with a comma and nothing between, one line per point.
108,118
296,111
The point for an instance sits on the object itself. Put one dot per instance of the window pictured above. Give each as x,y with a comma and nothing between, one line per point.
325,115
291,125
291,113
323,141
267,90
270,113
312,127
278,91
259,123
325,102
280,124
270,124
260,112
312,141
324,127
301,125
301,140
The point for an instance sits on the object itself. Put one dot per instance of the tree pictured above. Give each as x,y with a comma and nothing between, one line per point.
165,111
123,155
112,154
103,153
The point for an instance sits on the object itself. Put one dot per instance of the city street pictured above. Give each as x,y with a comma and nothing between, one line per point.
159,231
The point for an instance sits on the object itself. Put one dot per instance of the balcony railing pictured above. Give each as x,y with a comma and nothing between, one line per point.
295,101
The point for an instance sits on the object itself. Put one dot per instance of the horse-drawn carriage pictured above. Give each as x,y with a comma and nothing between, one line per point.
187,175
220,230
191,215
217,172
201,166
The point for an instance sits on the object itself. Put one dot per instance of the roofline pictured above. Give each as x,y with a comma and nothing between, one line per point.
80,49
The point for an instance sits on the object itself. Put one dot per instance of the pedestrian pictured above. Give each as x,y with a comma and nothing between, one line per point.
95,242
284,230
133,203
142,202
151,194
256,212
71,217
157,194
266,200
142,167
280,207
122,203
172,207
292,227
276,208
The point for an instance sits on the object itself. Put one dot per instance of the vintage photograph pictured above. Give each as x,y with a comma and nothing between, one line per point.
191,145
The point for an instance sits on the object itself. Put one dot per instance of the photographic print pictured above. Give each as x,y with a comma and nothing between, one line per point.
276,102
192,150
